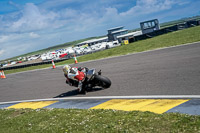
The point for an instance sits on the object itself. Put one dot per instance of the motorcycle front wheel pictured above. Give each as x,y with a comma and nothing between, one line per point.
103,81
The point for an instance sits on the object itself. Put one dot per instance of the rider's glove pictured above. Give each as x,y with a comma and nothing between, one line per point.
79,68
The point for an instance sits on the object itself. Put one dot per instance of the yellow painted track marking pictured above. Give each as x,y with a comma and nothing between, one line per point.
32,105
153,105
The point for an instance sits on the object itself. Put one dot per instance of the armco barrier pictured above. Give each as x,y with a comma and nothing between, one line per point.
33,64
44,62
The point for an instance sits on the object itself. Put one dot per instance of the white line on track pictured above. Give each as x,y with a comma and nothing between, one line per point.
111,97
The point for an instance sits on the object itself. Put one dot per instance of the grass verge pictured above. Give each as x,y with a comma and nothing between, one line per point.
171,39
98,121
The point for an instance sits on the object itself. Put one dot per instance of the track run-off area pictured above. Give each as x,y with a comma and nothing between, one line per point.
170,75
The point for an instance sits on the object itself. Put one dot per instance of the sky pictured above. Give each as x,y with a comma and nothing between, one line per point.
31,25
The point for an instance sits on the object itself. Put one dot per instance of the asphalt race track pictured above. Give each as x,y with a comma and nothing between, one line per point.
170,71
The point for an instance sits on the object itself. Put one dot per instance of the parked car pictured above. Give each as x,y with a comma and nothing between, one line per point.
78,50
13,63
96,47
87,50
70,51
63,55
112,44
4,65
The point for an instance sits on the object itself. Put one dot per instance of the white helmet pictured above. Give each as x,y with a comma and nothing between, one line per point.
66,69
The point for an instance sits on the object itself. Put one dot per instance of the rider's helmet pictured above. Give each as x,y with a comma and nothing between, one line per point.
66,69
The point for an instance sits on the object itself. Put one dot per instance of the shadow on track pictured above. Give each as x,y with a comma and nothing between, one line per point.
75,92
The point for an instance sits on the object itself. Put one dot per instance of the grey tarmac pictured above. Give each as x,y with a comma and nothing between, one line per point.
170,71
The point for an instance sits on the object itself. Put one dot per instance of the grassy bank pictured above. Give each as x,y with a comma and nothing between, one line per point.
171,39
76,120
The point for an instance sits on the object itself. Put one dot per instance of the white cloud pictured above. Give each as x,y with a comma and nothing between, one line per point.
6,39
148,6
40,17
14,50
2,52
33,35
58,3
32,18
17,44
14,4
3,39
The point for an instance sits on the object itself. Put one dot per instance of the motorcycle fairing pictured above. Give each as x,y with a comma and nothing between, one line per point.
80,76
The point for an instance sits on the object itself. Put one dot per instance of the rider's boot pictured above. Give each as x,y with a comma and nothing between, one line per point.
82,90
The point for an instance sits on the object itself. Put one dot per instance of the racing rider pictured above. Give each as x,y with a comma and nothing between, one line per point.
75,77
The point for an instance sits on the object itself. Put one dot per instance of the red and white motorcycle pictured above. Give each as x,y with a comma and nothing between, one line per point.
93,79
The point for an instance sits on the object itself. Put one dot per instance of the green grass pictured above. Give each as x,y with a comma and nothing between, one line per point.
96,121
171,39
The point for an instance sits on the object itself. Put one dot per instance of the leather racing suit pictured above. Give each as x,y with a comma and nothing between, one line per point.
76,77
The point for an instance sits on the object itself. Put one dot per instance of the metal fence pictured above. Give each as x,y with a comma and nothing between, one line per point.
32,64
181,26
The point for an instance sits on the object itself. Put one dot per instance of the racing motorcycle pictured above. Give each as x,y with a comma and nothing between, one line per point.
93,79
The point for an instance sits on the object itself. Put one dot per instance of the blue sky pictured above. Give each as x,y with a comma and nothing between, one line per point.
30,25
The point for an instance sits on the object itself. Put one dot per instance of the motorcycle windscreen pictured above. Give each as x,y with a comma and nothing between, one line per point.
90,73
